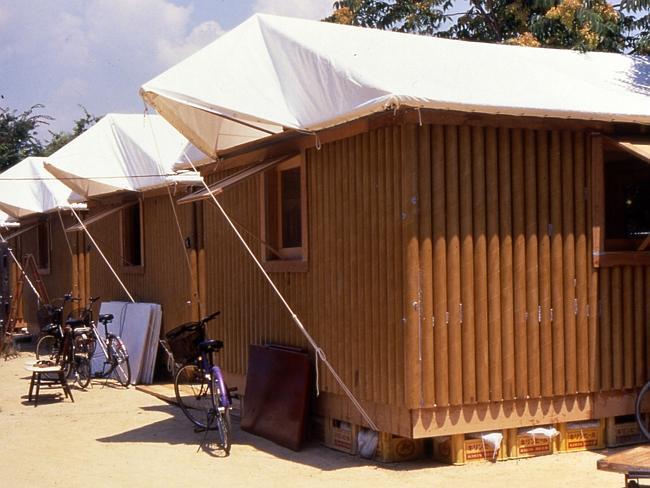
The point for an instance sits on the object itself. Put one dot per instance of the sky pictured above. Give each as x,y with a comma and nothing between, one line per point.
97,53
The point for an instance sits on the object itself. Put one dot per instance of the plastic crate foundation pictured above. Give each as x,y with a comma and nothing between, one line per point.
392,448
623,431
469,448
341,435
582,436
527,442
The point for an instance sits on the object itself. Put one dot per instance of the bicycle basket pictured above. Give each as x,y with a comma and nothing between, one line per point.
47,315
184,341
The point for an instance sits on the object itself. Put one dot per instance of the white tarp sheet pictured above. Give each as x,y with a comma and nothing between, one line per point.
138,324
309,75
26,188
132,152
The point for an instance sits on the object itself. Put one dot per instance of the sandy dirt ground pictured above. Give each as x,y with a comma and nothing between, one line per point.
116,437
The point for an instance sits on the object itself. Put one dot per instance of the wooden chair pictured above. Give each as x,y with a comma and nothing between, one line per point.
46,373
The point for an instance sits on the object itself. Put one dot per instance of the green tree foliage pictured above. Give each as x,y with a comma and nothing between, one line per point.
587,25
60,139
18,134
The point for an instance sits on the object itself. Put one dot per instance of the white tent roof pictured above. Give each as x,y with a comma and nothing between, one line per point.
26,188
310,75
132,152
5,220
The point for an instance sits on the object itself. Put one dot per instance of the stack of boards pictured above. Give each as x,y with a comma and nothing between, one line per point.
138,324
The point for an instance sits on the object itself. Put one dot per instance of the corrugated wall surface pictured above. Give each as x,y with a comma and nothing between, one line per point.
350,300
59,279
624,317
508,280
165,278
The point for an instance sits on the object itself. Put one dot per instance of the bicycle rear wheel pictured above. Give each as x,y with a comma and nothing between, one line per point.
193,395
121,367
83,371
221,413
643,409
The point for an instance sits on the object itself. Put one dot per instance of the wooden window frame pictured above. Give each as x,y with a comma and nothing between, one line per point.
136,268
44,270
284,259
601,257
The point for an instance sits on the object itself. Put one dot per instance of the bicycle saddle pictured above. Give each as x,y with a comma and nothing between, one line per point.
51,328
74,323
211,345
105,317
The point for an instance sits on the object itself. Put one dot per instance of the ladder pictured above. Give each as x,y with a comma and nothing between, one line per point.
29,267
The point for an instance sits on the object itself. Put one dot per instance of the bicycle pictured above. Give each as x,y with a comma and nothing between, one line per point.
66,344
114,349
200,389
642,408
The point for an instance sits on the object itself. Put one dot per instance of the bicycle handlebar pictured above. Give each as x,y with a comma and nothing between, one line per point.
210,317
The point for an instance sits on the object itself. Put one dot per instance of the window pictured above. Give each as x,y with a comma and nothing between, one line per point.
627,198
621,204
284,215
131,226
43,246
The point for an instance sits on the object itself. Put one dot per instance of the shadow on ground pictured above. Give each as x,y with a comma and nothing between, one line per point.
178,430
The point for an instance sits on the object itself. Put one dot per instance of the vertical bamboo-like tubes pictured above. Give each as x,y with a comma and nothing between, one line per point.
453,266
640,359
194,265
377,380
399,279
467,266
441,342
582,265
346,230
493,264
594,344
519,265
617,329
532,267
367,270
77,255
81,269
545,304
569,269
505,235
412,305
426,264
628,327
557,316
606,349
647,318
480,267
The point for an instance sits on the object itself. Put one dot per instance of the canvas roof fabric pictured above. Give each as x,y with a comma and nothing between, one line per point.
277,72
26,189
123,152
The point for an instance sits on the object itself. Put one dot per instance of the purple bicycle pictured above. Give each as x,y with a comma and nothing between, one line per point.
200,389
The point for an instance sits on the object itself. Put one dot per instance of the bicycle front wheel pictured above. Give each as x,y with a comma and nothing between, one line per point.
193,395
221,405
642,409
47,348
120,361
